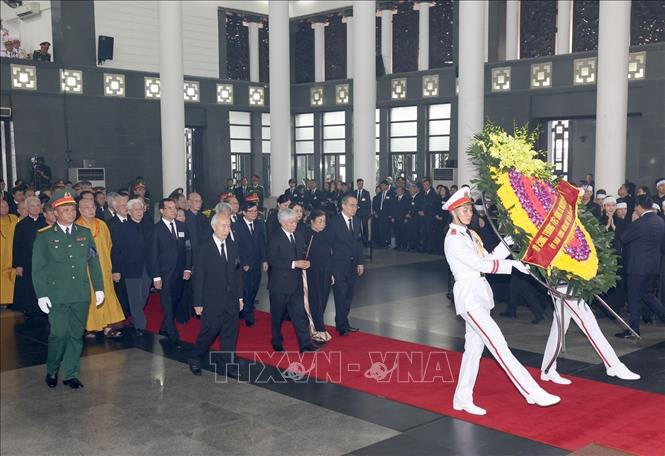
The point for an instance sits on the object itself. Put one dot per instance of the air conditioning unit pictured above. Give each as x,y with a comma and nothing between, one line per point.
96,176
444,176
27,10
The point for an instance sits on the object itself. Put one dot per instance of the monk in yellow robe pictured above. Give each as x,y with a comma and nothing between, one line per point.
110,312
7,273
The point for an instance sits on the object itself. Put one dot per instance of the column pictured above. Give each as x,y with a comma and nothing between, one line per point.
387,39
253,27
364,93
512,29
486,29
612,94
564,26
348,20
280,97
470,99
172,103
319,51
423,34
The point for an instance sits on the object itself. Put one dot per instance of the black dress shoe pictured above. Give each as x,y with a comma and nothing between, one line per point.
162,332
625,335
353,329
508,314
73,383
51,380
232,371
140,332
194,366
249,323
343,332
278,347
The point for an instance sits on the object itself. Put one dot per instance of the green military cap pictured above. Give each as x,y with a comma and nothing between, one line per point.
63,197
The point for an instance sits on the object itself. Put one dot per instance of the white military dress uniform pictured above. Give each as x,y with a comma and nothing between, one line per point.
580,312
469,261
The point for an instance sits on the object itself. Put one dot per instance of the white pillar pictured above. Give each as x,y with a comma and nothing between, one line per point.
564,26
486,28
612,94
319,51
280,97
172,102
387,39
253,33
364,93
470,100
423,35
348,20
512,29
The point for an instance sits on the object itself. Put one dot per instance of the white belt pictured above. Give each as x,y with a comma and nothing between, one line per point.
469,275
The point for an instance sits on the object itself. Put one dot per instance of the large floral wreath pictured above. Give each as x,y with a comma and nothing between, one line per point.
524,191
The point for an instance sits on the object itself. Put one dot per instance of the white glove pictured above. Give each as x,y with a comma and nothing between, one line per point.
44,304
523,268
509,240
99,298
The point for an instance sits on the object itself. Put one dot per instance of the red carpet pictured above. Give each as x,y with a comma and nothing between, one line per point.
590,412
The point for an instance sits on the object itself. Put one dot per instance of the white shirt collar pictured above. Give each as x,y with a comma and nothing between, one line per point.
217,240
167,223
288,235
122,219
247,222
64,227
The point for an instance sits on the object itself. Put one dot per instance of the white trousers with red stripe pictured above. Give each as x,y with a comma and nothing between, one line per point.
581,313
482,331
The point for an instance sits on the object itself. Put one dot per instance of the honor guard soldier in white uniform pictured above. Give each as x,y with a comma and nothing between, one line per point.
469,262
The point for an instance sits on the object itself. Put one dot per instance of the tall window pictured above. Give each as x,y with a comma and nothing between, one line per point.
404,141
558,143
240,132
378,146
265,147
438,117
304,142
334,146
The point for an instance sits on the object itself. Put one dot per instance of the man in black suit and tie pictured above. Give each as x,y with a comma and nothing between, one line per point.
401,208
171,263
646,239
251,245
347,260
217,287
291,191
364,208
431,203
313,196
286,253
197,224
382,207
242,190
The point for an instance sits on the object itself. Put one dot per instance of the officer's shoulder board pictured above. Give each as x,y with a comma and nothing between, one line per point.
46,228
453,231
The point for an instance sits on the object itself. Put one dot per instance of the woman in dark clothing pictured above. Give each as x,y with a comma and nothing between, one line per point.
319,274
300,213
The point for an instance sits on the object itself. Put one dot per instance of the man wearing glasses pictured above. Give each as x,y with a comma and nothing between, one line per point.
251,236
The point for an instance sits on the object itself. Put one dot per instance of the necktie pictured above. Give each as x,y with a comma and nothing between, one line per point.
383,197
469,234
173,231
222,251
292,240
351,225
359,193
251,228
67,231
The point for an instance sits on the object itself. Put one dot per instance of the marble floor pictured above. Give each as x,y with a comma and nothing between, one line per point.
140,398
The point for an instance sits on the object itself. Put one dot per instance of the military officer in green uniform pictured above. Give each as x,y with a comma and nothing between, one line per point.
64,262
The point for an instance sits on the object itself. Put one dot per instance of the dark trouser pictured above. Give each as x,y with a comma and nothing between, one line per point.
169,296
294,304
121,292
318,290
641,289
364,219
65,339
413,233
219,319
382,230
399,228
427,228
345,280
522,290
251,281
137,293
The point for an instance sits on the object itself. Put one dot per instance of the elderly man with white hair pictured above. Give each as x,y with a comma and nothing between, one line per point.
286,257
25,233
109,210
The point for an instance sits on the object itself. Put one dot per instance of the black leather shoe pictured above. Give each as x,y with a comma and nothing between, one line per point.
508,315
249,323
176,343
73,383
625,335
51,380
140,332
194,366
162,332
343,332
278,347
232,371
353,329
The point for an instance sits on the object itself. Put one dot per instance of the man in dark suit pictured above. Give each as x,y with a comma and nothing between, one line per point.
401,208
120,217
414,227
431,203
646,239
242,190
348,260
197,224
217,294
17,196
251,245
364,208
382,208
286,253
171,264
109,210
313,196
291,191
